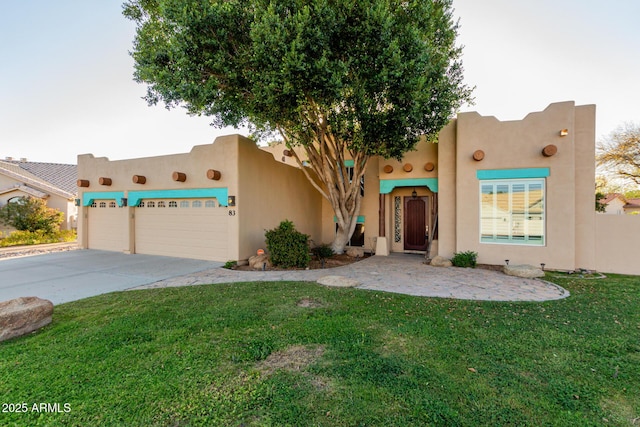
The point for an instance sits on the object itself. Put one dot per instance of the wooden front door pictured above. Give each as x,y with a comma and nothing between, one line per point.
415,223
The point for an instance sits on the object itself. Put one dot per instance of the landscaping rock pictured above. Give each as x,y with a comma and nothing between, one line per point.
441,261
338,281
355,252
525,271
258,261
23,315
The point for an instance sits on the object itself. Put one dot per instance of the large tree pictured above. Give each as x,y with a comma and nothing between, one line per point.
619,152
341,79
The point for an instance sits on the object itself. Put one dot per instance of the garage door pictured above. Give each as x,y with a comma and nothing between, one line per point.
107,226
186,228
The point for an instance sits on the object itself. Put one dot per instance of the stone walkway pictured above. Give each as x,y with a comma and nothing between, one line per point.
398,273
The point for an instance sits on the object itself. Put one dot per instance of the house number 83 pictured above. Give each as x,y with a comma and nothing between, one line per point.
232,212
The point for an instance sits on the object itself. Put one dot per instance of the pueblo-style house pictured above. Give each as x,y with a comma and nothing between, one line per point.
518,190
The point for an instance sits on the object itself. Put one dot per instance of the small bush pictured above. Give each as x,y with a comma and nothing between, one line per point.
465,259
288,247
322,251
230,264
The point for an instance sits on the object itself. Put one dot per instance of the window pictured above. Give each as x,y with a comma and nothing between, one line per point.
94,205
173,204
103,204
350,172
196,204
162,204
112,204
141,205
184,204
512,212
357,238
151,204
210,204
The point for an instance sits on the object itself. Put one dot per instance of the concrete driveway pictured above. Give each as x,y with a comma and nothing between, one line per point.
69,276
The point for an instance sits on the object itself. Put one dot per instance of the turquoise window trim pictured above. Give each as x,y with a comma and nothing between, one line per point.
349,163
221,194
387,185
513,173
88,197
359,220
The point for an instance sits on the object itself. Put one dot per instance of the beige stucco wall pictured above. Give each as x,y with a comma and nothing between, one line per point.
569,188
617,244
268,193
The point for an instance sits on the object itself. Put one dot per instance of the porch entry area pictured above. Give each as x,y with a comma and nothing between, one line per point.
409,214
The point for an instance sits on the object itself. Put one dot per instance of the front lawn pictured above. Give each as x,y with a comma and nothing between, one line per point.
300,354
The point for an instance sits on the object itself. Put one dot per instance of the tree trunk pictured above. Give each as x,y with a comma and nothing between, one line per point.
327,172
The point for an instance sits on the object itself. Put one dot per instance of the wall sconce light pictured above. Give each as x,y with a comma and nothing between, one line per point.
231,201
123,202
77,202
414,193
564,132
542,264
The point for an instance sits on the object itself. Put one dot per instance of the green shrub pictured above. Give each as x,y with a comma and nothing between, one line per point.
31,214
322,251
230,264
20,237
465,259
288,247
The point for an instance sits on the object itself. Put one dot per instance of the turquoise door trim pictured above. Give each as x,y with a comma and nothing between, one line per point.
194,193
387,185
359,220
513,173
88,197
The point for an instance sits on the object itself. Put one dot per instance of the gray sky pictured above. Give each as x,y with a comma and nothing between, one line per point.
66,76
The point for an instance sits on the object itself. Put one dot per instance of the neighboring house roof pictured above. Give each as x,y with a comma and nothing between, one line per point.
632,204
53,178
25,189
611,197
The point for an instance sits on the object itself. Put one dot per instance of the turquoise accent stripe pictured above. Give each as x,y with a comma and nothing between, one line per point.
513,173
387,185
89,197
349,163
360,219
194,193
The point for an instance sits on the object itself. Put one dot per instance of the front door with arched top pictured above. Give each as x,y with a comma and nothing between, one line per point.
415,223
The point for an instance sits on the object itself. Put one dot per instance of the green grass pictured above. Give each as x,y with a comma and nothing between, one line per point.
195,356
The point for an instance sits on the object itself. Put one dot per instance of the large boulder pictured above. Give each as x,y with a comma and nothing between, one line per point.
355,252
257,262
23,315
441,261
524,270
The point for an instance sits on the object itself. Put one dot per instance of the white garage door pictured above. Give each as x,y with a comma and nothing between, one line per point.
108,226
187,228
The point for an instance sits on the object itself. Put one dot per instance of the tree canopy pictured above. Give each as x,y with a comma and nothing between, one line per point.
31,214
619,152
342,79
